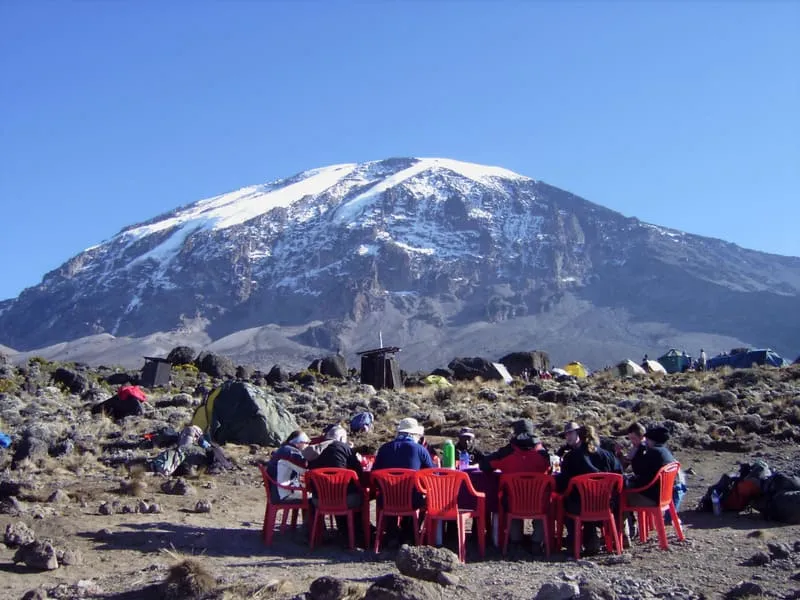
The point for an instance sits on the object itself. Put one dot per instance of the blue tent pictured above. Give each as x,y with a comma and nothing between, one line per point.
747,358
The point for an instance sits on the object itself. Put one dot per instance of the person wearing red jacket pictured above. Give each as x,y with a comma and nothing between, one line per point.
524,453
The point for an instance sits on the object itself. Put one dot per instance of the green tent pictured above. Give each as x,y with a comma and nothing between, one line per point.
675,361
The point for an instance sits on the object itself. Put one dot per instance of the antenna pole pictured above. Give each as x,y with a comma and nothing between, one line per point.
380,338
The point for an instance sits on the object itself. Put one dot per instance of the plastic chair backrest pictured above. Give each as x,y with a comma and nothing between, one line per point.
330,487
396,487
527,492
667,475
441,487
596,491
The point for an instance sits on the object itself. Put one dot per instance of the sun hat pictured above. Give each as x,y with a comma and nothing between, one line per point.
410,425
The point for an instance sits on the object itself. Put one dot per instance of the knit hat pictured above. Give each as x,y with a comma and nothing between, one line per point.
658,435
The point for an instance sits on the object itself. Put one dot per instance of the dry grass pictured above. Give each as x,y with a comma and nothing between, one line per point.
187,579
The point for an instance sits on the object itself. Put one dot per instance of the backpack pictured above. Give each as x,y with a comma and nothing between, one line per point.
361,422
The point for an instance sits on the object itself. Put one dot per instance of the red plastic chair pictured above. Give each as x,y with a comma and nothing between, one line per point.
441,487
648,515
330,488
395,489
291,506
527,496
596,491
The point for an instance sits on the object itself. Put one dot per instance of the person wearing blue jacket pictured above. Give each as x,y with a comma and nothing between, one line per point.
404,452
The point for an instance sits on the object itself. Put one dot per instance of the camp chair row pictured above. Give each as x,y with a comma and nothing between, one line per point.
521,496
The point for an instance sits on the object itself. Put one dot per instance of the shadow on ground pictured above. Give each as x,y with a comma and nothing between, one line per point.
221,542
731,520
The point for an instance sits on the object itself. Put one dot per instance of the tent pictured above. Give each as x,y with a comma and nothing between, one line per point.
653,366
744,359
576,369
437,380
242,413
628,368
675,361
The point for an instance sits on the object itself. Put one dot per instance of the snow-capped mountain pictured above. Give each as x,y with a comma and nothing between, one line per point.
439,255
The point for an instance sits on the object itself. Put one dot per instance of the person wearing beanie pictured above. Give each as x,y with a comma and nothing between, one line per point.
524,452
338,454
466,443
287,465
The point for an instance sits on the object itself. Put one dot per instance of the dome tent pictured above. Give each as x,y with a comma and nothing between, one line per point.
576,369
628,368
241,413
675,361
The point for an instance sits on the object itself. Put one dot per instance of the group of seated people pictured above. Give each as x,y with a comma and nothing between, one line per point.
524,453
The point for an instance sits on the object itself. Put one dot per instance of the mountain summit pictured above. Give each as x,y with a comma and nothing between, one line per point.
443,257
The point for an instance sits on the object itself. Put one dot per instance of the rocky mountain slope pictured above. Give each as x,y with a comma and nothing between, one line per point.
443,257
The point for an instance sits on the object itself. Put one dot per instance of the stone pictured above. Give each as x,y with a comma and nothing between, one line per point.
37,555
69,556
760,558
327,588
11,506
425,562
447,579
558,591
777,550
743,589
35,595
203,506
105,509
155,508
400,587
178,487
18,534
105,534
143,507
595,590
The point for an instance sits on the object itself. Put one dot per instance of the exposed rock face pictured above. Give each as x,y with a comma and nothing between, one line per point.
422,248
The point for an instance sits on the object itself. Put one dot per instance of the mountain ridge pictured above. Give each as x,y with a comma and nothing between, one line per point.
433,246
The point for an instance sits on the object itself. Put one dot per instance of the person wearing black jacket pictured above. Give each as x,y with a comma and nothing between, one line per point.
647,466
584,456
338,454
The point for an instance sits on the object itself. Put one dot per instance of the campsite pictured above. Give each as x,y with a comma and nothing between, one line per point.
80,479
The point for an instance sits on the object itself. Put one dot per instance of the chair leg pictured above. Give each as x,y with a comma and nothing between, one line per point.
676,522
662,533
365,524
614,535
284,518
462,538
504,535
481,534
269,524
318,518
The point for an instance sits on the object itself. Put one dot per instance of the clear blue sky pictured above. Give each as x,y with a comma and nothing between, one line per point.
684,114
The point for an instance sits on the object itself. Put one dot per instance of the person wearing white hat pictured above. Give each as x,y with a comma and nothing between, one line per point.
404,452
287,466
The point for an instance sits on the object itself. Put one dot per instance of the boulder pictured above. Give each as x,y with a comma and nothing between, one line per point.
425,562
327,588
517,362
181,355
75,382
18,534
467,369
277,375
400,587
216,365
37,555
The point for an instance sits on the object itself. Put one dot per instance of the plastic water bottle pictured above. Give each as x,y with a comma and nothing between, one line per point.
448,455
463,460
716,503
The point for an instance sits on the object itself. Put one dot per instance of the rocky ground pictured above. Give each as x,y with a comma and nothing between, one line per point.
75,482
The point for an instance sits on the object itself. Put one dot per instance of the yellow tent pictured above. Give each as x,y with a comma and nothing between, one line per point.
202,416
576,369
437,380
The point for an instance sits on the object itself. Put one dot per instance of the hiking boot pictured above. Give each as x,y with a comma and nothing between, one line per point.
626,541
